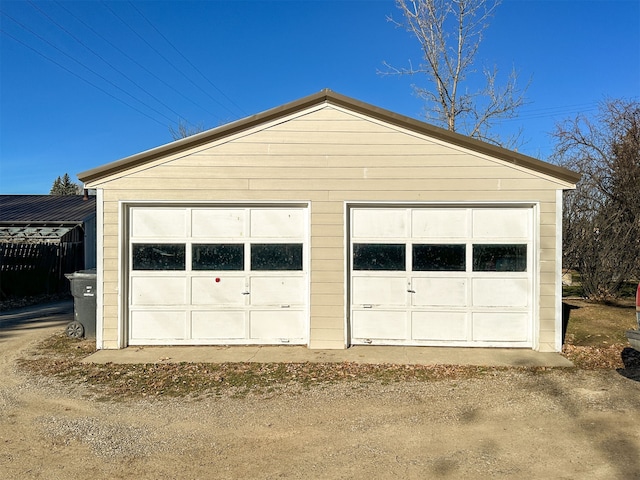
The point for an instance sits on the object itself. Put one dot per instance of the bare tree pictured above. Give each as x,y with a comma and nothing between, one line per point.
602,216
184,130
450,33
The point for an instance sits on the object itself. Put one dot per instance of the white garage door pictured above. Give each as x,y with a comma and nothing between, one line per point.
441,276
232,275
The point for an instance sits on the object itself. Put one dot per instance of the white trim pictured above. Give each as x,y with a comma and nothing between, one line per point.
535,287
124,237
99,268
226,203
533,268
436,203
346,248
306,262
123,314
558,305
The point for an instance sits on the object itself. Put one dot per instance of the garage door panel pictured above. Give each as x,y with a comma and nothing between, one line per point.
276,324
278,223
467,276
380,223
379,324
439,326
218,223
501,327
495,223
439,291
159,223
218,287
500,292
379,291
218,324
439,223
158,325
158,290
278,290
218,291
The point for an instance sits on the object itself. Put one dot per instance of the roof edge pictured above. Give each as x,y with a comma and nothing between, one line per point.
203,137
458,139
329,96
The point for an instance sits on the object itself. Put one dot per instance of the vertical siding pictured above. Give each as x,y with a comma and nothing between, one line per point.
328,157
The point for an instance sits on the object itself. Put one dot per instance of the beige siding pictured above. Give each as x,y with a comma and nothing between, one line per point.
328,156
328,173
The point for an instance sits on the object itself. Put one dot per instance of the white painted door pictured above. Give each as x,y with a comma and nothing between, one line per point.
442,276
218,275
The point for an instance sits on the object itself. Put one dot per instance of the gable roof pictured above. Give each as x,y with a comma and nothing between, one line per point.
330,97
46,209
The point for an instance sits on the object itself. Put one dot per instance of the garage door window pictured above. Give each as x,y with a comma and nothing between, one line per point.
379,256
439,258
158,256
224,256
500,258
276,256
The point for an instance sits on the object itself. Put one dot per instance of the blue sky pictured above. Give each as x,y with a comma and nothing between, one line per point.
147,64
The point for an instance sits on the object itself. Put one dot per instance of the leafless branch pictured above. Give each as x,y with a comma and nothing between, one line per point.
601,230
449,33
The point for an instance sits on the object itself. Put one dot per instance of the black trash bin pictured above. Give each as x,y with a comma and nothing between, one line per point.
83,289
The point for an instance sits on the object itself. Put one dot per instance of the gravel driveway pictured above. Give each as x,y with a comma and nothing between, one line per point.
558,424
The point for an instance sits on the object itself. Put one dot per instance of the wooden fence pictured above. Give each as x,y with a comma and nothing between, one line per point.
38,268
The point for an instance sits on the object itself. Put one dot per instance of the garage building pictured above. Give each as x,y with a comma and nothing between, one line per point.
329,222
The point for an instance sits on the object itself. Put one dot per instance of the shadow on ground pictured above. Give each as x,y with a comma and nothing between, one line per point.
631,360
35,317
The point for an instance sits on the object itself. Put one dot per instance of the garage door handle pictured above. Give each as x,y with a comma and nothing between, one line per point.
411,291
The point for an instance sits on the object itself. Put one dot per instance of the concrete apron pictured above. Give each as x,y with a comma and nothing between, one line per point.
490,357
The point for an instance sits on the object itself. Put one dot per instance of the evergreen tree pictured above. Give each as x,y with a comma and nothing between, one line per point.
64,186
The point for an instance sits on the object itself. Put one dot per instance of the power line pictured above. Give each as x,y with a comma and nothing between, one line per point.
103,59
78,76
186,59
24,27
559,110
164,58
98,34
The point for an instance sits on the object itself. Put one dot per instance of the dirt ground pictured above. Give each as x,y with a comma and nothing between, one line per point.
559,424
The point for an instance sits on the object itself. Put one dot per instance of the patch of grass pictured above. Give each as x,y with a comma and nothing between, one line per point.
628,290
598,324
59,356
63,347
572,291
595,337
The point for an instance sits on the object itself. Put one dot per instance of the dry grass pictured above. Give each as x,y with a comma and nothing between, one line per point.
594,324
59,356
595,339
